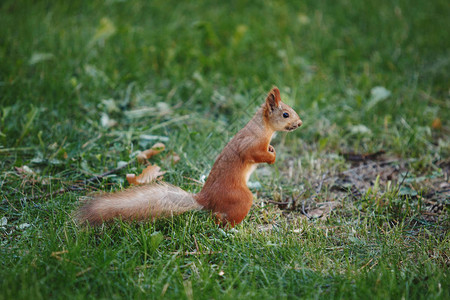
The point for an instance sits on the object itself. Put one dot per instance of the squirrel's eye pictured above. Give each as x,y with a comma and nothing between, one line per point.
285,115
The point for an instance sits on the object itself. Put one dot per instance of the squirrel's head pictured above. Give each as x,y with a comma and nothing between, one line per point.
278,115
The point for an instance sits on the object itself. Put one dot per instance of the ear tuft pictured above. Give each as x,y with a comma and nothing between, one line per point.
276,92
273,99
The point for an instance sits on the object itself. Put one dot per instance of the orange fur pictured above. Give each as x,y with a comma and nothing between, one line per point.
225,192
137,203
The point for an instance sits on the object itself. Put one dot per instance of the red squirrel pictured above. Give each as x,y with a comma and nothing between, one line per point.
225,192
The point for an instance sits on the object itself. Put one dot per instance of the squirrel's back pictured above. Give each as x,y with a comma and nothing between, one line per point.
137,203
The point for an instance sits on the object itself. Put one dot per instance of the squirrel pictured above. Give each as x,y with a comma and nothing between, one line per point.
225,192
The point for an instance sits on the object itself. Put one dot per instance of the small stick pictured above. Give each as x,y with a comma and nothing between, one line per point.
187,253
321,184
303,210
298,197
196,245
276,202
401,183
83,271
194,180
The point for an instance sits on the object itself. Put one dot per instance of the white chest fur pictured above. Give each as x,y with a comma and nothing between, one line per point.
250,170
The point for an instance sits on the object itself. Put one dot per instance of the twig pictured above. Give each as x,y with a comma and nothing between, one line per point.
304,212
91,141
365,265
321,184
196,245
94,178
57,255
83,271
299,195
6,198
401,183
294,202
174,120
278,203
4,150
356,157
187,253
194,180
376,263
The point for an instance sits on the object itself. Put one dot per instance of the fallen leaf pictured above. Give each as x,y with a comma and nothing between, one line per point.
107,122
25,170
104,31
265,227
121,164
360,129
23,226
97,75
27,173
155,240
149,174
110,105
147,154
150,137
175,158
38,57
303,19
131,178
315,213
407,191
323,210
377,94
83,271
238,35
254,185
437,124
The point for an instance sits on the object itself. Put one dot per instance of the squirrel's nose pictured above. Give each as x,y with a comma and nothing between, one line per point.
299,123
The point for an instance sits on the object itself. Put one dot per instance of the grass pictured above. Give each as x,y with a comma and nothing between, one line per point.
87,85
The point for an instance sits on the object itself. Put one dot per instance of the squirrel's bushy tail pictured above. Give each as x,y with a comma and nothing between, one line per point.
137,203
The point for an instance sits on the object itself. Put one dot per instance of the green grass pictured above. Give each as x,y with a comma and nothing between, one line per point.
83,85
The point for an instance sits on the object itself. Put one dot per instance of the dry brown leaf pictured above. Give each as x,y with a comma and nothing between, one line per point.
149,174
25,171
174,158
437,124
323,210
131,178
265,227
316,213
28,174
147,154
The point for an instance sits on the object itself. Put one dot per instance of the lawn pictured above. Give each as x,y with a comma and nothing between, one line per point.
356,206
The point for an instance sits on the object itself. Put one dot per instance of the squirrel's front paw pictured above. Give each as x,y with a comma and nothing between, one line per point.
273,154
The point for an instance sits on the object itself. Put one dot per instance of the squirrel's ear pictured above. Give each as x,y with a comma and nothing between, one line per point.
273,99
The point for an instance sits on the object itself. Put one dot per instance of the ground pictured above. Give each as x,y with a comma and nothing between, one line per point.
356,205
